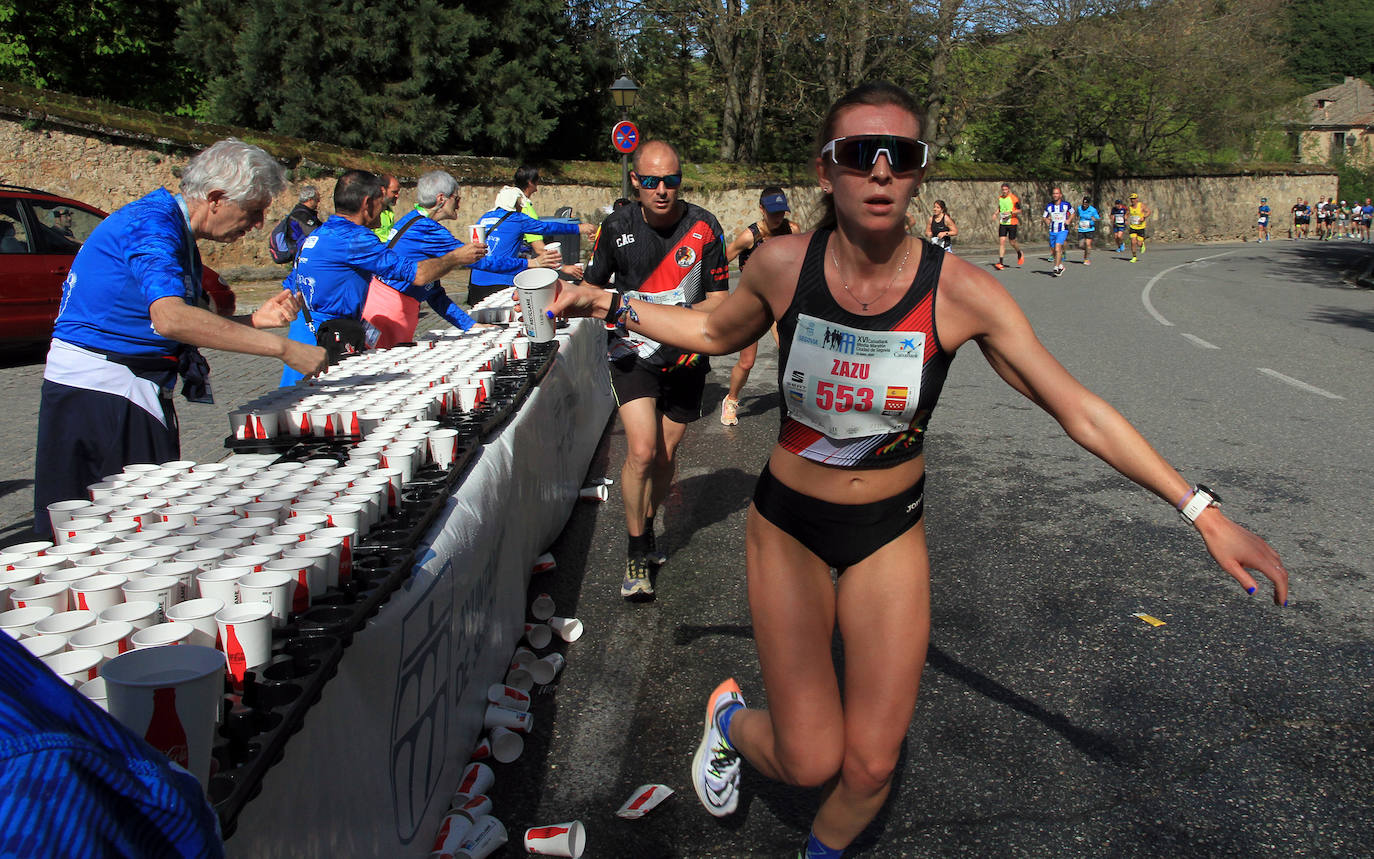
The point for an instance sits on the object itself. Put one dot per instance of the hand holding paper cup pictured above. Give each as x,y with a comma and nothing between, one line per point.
537,288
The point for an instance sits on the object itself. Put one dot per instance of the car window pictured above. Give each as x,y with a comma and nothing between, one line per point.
13,237
61,228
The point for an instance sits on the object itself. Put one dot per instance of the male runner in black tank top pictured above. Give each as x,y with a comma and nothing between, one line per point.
773,205
664,251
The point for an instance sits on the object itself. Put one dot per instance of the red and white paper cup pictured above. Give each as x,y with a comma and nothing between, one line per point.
558,839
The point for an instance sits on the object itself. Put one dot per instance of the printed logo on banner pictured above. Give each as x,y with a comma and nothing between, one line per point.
424,700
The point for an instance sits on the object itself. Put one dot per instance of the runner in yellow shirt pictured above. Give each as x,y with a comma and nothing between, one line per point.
1137,213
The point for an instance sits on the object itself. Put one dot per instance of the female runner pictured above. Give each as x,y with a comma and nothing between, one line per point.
869,319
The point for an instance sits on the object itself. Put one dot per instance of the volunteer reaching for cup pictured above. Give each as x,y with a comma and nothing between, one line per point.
869,320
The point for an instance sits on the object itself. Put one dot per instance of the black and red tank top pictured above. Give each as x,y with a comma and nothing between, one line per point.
858,391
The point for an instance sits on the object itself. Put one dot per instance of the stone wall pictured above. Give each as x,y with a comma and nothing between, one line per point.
108,173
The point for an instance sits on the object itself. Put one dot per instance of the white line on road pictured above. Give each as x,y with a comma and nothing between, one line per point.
1298,383
1145,294
1198,341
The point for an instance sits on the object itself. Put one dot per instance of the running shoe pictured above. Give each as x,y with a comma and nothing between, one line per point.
998,265
1121,249
1020,258
1133,259
1087,262
1058,271
637,586
729,412
715,766
652,554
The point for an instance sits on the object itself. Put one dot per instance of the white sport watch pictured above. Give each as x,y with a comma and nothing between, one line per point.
1198,500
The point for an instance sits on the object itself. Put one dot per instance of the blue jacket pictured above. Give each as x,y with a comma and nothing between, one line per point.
504,243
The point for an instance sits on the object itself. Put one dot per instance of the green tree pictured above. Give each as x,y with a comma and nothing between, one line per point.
116,50
1328,39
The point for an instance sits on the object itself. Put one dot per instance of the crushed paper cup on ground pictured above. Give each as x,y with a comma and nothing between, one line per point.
545,669
508,696
543,607
482,750
596,493
486,836
544,563
560,839
643,800
568,628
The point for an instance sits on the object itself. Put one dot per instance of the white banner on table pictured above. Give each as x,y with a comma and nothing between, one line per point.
372,771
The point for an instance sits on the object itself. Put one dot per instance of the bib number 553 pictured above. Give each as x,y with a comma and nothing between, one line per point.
834,397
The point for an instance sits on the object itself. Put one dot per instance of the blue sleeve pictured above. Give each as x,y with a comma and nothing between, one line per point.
525,224
157,255
426,240
501,264
444,306
366,252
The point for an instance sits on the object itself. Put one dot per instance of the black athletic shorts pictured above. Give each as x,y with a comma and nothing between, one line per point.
1008,230
841,535
677,391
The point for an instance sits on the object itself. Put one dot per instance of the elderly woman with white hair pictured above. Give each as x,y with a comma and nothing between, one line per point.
393,306
132,314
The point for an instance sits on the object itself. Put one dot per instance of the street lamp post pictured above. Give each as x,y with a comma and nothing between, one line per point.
625,92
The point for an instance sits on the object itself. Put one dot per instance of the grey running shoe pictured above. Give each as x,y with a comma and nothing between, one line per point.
637,587
715,766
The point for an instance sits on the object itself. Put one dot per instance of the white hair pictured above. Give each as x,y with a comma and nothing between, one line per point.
431,185
245,173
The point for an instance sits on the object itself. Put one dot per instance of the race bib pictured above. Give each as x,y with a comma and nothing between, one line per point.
646,347
1085,226
851,382
1136,219
1057,220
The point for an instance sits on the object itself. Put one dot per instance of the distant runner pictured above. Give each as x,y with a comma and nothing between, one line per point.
1057,214
1119,226
1008,218
1263,223
1137,215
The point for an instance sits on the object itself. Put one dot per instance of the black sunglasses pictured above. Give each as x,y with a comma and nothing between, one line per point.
672,180
860,152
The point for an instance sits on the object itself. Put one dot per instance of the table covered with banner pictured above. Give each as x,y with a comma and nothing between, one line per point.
378,755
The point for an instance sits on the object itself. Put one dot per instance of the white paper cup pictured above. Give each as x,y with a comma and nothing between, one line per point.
169,696
544,563
538,635
443,446
72,527
331,560
107,639
452,830
476,778
497,716
74,666
308,579
33,547
162,635
130,568
96,693
554,246
264,424
221,583
43,564
508,696
142,613
19,622
486,836
272,587
545,669
62,512
245,634
163,590
537,288
543,607
69,575
53,595
199,614
476,235
597,493
559,839
44,645
204,559
185,574
506,745
402,456
64,623
522,657
347,537
472,805
568,628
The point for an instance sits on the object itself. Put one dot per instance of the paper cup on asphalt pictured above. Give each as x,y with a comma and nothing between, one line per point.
169,696
504,717
537,288
476,778
486,836
19,622
506,745
544,670
538,635
74,666
107,639
44,645
64,623
452,830
645,798
522,657
519,677
141,613
199,614
595,493
568,628
162,635
560,839
544,563
508,696
273,587
245,634
472,805
543,607
53,595
480,752
163,590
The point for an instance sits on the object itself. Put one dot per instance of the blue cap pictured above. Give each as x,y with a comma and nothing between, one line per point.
774,202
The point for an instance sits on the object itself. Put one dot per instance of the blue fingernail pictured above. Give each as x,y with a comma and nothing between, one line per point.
1250,589
548,313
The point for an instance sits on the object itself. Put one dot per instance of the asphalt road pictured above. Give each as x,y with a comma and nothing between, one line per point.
1052,722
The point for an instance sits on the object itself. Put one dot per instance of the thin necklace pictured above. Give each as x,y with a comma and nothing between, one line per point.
845,284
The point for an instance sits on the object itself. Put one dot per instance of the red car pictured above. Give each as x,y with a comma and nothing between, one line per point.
40,234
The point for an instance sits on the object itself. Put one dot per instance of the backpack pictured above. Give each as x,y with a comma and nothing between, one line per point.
284,240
